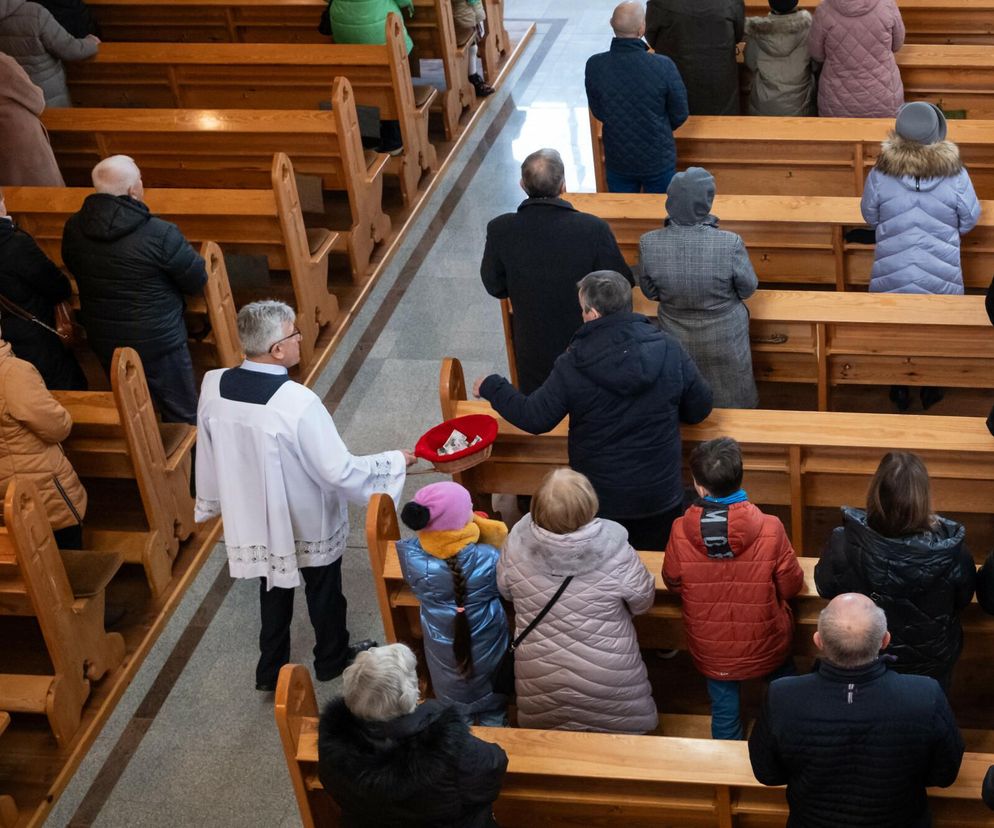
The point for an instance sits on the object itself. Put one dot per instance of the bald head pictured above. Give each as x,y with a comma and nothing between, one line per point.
118,175
628,20
852,631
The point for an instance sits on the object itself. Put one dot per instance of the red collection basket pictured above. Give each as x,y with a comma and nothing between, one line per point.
472,425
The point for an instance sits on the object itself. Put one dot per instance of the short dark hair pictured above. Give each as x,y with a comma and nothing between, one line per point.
606,292
543,174
717,466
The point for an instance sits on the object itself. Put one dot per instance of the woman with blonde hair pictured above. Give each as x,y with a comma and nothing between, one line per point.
580,668
913,563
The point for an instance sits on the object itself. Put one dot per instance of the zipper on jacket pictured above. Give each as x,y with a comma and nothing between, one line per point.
849,694
918,183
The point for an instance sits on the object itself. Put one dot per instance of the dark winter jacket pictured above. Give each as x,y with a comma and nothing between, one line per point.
987,792
856,747
626,387
985,585
415,771
535,257
73,15
29,279
701,37
922,582
131,271
640,98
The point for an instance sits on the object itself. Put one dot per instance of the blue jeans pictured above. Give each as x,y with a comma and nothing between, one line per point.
726,723
618,183
487,718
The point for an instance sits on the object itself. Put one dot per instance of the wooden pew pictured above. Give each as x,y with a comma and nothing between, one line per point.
254,222
560,777
8,808
434,34
116,436
65,592
814,156
267,76
956,78
968,22
214,148
797,459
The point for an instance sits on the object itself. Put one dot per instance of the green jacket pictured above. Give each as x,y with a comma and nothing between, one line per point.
365,21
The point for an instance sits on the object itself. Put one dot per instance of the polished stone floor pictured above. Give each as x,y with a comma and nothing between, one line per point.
200,748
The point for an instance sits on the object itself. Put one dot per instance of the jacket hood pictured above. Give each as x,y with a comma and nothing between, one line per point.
8,7
105,217
854,8
745,522
7,229
577,553
911,564
690,196
781,33
904,159
621,352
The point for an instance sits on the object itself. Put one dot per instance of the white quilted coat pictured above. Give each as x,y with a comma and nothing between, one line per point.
580,668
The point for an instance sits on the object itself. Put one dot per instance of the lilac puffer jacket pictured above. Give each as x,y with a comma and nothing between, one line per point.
920,200
856,40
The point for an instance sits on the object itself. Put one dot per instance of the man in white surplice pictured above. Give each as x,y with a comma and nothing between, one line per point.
271,462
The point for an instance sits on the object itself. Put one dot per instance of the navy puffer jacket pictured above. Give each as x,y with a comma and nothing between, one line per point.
640,99
922,582
131,270
626,387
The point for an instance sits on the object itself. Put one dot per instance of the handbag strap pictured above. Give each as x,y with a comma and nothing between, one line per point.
12,307
534,622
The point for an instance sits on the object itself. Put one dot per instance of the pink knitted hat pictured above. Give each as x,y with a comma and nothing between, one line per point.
439,507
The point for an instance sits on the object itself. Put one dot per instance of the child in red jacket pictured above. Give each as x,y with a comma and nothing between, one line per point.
735,570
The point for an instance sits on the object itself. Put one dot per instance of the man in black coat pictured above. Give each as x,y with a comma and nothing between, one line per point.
132,270
855,743
626,387
535,257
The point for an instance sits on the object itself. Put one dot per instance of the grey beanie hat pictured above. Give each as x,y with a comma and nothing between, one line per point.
922,122
690,195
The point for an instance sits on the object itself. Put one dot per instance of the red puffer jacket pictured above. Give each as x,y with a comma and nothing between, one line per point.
735,612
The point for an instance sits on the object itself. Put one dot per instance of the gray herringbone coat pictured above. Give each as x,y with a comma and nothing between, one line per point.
700,275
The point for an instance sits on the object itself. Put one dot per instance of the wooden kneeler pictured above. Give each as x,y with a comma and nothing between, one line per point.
65,592
8,809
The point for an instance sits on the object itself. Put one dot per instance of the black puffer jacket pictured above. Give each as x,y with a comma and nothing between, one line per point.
626,387
985,585
420,770
922,582
131,270
33,282
856,748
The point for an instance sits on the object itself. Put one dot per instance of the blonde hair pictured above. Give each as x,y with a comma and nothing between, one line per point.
564,502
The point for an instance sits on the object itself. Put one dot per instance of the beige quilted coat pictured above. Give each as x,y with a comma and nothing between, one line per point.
580,668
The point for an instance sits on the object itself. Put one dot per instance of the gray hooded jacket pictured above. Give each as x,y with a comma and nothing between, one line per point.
777,54
30,35
700,275
580,668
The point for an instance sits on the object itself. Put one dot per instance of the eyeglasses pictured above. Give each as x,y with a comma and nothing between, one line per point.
294,335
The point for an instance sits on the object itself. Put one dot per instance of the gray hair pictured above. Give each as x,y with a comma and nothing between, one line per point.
605,291
260,325
543,174
382,683
852,629
115,175
627,19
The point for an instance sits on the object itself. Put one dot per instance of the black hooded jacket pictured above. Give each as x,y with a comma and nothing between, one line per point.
131,270
626,387
415,771
922,582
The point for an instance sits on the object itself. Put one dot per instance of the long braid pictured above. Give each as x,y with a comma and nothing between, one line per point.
462,642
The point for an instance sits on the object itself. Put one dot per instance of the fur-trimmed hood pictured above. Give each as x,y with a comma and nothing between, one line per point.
779,24
900,157
577,553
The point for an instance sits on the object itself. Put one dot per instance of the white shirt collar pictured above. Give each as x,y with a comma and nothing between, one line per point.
263,367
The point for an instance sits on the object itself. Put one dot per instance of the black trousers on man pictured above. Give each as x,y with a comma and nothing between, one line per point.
171,384
326,606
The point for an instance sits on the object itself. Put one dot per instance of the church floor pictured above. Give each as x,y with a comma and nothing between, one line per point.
192,742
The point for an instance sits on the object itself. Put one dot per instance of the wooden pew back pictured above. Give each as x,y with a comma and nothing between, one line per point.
433,31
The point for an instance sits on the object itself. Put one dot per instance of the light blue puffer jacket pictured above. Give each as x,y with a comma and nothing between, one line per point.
920,200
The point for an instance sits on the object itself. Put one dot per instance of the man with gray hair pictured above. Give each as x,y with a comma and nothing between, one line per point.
270,461
640,98
626,387
534,258
855,743
132,270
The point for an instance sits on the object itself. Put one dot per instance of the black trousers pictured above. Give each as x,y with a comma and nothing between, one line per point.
652,532
171,384
69,537
326,607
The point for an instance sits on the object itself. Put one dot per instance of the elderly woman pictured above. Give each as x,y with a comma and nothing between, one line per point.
580,668
389,761
700,275
27,158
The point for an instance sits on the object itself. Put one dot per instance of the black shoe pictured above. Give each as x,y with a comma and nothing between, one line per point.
930,396
901,397
393,150
354,650
480,85
265,687
113,613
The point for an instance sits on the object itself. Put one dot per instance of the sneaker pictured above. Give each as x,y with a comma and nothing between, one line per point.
901,397
666,655
930,396
392,151
480,85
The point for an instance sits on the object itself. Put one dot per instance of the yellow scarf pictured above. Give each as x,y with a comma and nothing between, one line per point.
445,544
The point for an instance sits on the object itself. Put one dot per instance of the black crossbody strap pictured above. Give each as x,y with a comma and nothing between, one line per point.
534,622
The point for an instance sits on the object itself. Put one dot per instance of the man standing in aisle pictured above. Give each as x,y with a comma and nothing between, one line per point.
270,461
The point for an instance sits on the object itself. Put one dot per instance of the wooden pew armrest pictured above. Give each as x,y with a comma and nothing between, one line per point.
424,95
89,571
178,440
320,242
376,163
